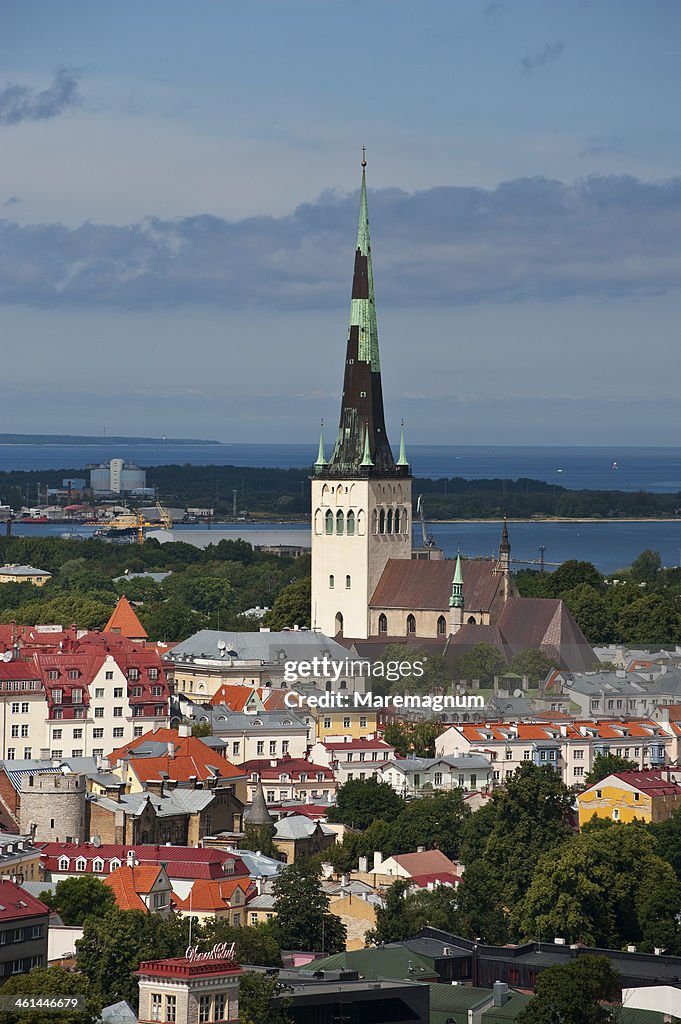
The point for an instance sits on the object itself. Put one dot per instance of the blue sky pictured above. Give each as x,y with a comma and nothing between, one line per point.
179,192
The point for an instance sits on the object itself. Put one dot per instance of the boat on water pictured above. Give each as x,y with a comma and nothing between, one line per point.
614,466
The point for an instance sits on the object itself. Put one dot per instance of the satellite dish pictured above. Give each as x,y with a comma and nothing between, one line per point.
7,656
221,645
97,841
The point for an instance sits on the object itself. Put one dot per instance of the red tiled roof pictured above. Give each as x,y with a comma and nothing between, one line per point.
16,903
653,783
192,758
293,766
127,883
124,621
444,877
180,861
414,583
430,862
211,896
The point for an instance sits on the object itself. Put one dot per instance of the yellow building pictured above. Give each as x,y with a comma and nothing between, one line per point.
19,858
624,796
24,574
350,723
358,916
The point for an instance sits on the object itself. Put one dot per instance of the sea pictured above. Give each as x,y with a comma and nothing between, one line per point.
608,545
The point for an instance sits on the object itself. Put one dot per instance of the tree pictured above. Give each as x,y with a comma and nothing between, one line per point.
608,764
200,729
413,738
571,993
646,567
482,662
257,993
435,822
171,620
592,612
74,899
259,838
572,574
361,801
292,607
532,663
651,619
254,944
303,920
113,947
52,981
405,912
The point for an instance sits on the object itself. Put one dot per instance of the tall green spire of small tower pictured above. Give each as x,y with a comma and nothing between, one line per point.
321,458
456,600
366,458
402,461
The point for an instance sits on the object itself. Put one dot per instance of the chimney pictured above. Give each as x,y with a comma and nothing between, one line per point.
378,860
420,849
184,731
345,880
171,750
363,864
500,993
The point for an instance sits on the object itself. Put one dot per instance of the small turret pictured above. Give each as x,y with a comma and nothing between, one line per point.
505,560
257,815
402,461
456,601
321,458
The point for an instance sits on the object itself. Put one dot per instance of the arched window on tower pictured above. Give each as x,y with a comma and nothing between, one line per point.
411,624
348,582
328,520
350,524
397,520
390,521
340,523
441,626
339,622
382,623
381,521
332,582
471,620
318,521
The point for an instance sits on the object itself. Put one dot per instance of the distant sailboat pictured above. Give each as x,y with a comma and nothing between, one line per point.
614,466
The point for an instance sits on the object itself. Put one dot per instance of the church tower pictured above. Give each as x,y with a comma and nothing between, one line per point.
505,561
361,497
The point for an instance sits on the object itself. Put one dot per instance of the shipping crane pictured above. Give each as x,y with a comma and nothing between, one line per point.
165,516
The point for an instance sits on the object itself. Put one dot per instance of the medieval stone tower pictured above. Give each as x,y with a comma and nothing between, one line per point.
55,805
361,497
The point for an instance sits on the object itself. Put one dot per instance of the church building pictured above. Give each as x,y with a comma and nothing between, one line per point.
370,586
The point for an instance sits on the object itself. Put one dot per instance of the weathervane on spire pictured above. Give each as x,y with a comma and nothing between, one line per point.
364,156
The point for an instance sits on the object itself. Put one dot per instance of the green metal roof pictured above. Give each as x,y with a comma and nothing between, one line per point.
509,1011
446,999
390,962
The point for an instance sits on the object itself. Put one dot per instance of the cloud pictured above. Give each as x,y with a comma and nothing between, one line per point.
21,103
12,201
603,145
550,53
528,239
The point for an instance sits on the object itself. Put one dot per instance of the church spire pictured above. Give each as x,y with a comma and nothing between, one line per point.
456,600
402,461
321,457
504,547
362,421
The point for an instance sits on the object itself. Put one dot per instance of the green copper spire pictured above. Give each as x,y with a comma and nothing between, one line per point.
402,461
366,458
456,600
363,309
321,458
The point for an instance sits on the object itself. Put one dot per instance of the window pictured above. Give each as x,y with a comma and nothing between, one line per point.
76,696
63,863
137,691
77,753
332,582
273,748
159,710
579,771
56,734
15,708
390,521
348,582
254,920
411,624
118,692
260,748
156,691
53,674
56,696
118,733
118,712
138,730
362,721
397,520
346,722
437,779
15,731
284,746
599,793
153,673
99,693
350,524
77,734
58,713
24,707
340,523
637,796
328,522
526,755
171,1009
441,625
204,1009
579,755
28,754
134,674
108,675
81,864
156,1006
221,998
509,754
382,623
98,734
57,756
73,673
98,751
615,814
381,521
236,747
79,713
362,755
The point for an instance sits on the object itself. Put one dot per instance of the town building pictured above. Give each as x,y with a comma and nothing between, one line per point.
24,923
290,778
624,796
143,887
19,858
368,584
24,574
570,747
222,900
248,737
200,987
124,622
353,759
421,776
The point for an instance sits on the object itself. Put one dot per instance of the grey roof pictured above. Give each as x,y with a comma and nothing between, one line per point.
22,570
223,720
265,648
424,764
257,814
119,1013
157,577
260,866
519,707
35,888
265,901
298,826
610,684
18,769
177,801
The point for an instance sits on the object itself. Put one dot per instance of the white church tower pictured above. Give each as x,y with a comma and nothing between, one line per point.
361,497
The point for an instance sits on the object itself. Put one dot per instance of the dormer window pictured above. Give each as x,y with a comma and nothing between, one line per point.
114,864
98,865
81,864
64,863
134,674
76,696
303,777
56,696
74,673
53,674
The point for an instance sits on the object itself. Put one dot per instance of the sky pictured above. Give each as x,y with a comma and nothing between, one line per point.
179,198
